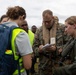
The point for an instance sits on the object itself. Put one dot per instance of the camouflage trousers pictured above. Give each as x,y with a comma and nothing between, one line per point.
46,68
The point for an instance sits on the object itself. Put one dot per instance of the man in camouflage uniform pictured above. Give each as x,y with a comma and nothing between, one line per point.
48,34
69,49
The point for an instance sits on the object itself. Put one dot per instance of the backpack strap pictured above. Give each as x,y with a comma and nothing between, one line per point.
11,29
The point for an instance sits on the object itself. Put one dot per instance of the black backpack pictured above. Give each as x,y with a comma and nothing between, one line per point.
7,63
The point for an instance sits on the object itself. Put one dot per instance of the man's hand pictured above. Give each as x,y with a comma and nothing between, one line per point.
60,50
51,48
40,48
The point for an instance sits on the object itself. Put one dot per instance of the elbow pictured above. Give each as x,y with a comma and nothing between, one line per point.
27,67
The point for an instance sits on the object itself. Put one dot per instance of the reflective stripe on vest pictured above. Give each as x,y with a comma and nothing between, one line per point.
15,32
9,52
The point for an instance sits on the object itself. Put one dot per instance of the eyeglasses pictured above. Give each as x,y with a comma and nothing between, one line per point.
47,21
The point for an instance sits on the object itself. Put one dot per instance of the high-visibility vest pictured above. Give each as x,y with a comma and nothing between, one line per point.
31,36
15,32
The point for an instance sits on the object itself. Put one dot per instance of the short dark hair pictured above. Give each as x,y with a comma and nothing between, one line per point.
48,12
3,16
33,26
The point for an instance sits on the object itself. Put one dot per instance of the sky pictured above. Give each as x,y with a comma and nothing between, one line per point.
34,8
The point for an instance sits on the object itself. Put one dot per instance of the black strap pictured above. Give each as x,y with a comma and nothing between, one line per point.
19,65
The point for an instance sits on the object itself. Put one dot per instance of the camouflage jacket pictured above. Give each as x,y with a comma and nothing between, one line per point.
43,60
39,39
70,48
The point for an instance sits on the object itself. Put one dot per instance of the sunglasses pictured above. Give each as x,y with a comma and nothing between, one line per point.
47,21
23,25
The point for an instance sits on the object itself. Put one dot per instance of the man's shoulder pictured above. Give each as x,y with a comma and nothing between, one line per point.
31,32
61,26
39,29
10,24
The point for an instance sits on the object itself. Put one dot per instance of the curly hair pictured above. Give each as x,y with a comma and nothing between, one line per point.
15,12
3,16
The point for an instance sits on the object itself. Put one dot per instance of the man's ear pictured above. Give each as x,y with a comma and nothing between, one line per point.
24,16
74,26
52,17
20,17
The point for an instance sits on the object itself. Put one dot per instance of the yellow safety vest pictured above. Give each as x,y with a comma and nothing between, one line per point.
15,32
31,36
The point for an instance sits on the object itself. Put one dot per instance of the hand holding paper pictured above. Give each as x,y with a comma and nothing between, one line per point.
49,47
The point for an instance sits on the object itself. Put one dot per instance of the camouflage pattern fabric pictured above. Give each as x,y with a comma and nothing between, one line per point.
71,68
45,62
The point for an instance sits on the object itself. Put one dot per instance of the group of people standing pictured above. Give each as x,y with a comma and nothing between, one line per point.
56,53
54,44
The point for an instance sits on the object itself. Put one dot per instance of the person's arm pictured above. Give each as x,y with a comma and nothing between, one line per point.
27,61
36,43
